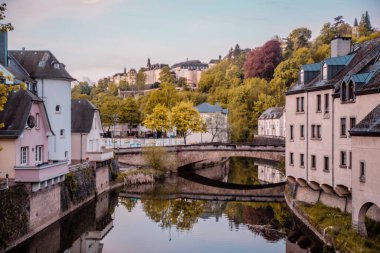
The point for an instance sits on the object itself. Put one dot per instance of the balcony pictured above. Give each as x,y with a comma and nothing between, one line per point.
40,173
100,156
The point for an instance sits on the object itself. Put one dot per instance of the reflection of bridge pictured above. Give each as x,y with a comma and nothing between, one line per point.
187,154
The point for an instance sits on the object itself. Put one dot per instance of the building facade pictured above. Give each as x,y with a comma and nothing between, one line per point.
272,122
190,70
152,72
328,100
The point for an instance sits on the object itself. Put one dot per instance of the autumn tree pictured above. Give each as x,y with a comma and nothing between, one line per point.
129,112
140,79
186,119
166,76
158,120
262,61
365,27
217,126
297,39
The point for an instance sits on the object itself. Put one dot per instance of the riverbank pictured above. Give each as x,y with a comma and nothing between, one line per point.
331,226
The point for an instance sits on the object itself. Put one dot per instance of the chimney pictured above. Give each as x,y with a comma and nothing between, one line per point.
220,57
4,49
340,46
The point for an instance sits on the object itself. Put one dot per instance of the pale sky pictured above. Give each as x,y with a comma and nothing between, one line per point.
97,38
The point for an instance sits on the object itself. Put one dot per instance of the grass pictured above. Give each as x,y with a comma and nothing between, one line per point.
339,229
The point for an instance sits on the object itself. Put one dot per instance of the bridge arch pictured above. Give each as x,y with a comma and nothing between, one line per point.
361,215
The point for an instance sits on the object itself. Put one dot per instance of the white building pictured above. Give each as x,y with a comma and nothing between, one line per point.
216,119
190,70
152,72
54,87
272,122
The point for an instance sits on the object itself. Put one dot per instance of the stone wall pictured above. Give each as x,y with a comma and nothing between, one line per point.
45,205
102,179
14,214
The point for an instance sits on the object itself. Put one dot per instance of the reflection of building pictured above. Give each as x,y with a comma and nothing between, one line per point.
272,122
190,70
269,173
330,162
216,119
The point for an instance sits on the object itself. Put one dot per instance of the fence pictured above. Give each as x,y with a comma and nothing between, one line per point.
137,143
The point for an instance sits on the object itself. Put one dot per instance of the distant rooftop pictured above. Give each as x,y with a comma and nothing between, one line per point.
82,114
208,108
272,113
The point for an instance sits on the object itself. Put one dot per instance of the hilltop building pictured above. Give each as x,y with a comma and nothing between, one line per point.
332,130
152,72
190,70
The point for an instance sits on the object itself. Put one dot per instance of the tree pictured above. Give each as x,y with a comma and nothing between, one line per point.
298,38
109,108
158,120
186,119
124,85
129,112
8,26
365,27
140,79
166,76
182,82
262,61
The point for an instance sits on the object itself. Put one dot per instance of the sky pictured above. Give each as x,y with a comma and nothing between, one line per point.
97,38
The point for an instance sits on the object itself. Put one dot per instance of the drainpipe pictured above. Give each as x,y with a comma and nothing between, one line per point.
307,137
81,147
332,143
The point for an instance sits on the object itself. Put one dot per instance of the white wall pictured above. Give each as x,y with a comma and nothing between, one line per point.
272,127
93,138
57,92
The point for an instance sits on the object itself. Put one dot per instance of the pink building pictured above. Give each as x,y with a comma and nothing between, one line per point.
24,139
328,100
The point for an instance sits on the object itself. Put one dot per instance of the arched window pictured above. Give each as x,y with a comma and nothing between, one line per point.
343,91
351,95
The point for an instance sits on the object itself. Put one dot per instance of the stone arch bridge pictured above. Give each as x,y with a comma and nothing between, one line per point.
186,154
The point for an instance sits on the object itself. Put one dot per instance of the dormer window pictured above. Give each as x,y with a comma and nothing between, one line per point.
302,76
324,72
347,92
56,65
343,92
351,95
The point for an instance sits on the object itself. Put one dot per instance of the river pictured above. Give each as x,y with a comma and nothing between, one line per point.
156,222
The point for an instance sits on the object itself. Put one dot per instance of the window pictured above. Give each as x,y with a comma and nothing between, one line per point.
350,160
57,109
302,131
324,72
37,120
319,103
291,133
302,160
56,65
62,133
291,158
313,162
343,92
343,159
327,103
24,156
326,164
66,154
302,76
315,131
39,153
362,172
352,122
300,106
343,127
351,95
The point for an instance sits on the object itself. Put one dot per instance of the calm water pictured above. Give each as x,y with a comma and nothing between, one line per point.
154,223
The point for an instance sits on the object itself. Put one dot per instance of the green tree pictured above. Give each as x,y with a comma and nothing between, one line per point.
297,39
159,119
140,79
124,85
365,27
129,112
166,76
7,26
186,119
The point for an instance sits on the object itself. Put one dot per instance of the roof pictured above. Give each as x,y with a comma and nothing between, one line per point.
82,115
340,60
192,63
371,82
272,113
362,78
18,71
16,112
312,67
214,61
41,64
360,61
208,108
369,126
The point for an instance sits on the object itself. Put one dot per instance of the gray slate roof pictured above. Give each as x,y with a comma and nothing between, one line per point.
272,113
192,63
369,126
40,64
208,108
16,112
18,71
82,115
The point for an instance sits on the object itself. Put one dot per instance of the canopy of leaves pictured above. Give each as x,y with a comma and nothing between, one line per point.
159,119
166,76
